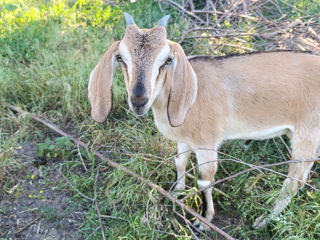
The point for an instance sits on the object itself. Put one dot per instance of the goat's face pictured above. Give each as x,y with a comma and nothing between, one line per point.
148,60
144,55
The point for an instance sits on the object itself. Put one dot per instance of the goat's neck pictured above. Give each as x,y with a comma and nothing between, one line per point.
160,104
159,109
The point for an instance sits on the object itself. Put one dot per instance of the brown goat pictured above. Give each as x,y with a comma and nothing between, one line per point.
202,101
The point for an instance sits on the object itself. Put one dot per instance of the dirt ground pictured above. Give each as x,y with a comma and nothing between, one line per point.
36,208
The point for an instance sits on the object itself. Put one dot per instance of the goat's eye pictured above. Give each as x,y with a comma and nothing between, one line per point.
168,61
118,58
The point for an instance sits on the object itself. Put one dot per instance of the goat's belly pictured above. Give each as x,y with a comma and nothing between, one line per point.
259,134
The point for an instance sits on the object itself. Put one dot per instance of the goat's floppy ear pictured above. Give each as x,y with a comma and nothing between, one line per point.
100,85
183,90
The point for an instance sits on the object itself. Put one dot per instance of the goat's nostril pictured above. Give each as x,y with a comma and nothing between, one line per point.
139,101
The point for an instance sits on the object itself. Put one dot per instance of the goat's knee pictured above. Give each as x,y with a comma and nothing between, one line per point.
181,163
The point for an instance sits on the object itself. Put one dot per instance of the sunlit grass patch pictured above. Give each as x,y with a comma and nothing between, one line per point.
16,14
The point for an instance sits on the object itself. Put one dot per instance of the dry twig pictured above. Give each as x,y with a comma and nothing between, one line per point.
29,224
269,23
179,7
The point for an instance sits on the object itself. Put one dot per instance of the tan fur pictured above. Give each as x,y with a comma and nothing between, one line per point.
99,89
254,96
183,89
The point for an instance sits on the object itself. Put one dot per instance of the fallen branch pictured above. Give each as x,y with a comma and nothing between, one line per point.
127,171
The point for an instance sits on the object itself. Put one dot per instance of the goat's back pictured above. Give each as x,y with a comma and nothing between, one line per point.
258,91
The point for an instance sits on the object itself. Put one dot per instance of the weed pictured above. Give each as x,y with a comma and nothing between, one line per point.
60,148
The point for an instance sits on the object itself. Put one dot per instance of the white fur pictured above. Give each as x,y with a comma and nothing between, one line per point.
195,80
160,59
246,132
126,57
203,183
90,81
181,162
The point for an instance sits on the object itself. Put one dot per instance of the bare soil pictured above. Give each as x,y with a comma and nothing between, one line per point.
35,208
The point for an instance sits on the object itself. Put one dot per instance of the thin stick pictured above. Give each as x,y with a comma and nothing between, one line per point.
147,208
82,161
286,145
129,172
92,233
113,217
73,187
29,224
172,3
96,204
188,223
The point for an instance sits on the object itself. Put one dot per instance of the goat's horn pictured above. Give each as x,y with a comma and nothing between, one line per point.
129,19
163,21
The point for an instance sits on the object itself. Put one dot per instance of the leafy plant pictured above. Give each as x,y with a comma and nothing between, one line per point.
60,148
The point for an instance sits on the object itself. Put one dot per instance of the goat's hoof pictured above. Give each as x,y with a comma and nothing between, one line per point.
261,222
200,226
177,191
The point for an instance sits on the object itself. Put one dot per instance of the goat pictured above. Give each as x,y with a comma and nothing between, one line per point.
202,101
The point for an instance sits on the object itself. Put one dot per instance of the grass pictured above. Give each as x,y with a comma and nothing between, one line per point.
48,49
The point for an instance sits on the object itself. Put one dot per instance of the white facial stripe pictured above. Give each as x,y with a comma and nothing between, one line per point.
160,59
90,80
126,57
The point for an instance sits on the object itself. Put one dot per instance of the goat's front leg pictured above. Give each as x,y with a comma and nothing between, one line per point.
181,163
207,163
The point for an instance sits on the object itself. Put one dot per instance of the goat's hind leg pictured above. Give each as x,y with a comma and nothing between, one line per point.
305,150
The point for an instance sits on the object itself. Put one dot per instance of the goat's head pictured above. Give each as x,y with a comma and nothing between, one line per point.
148,60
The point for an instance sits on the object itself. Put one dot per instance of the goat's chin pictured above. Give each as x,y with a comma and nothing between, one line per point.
140,111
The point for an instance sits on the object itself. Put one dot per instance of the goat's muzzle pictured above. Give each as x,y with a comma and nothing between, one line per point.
138,104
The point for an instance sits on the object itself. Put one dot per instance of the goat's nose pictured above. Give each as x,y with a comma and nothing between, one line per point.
139,101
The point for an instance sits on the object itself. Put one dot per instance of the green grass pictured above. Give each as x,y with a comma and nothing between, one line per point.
47,51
